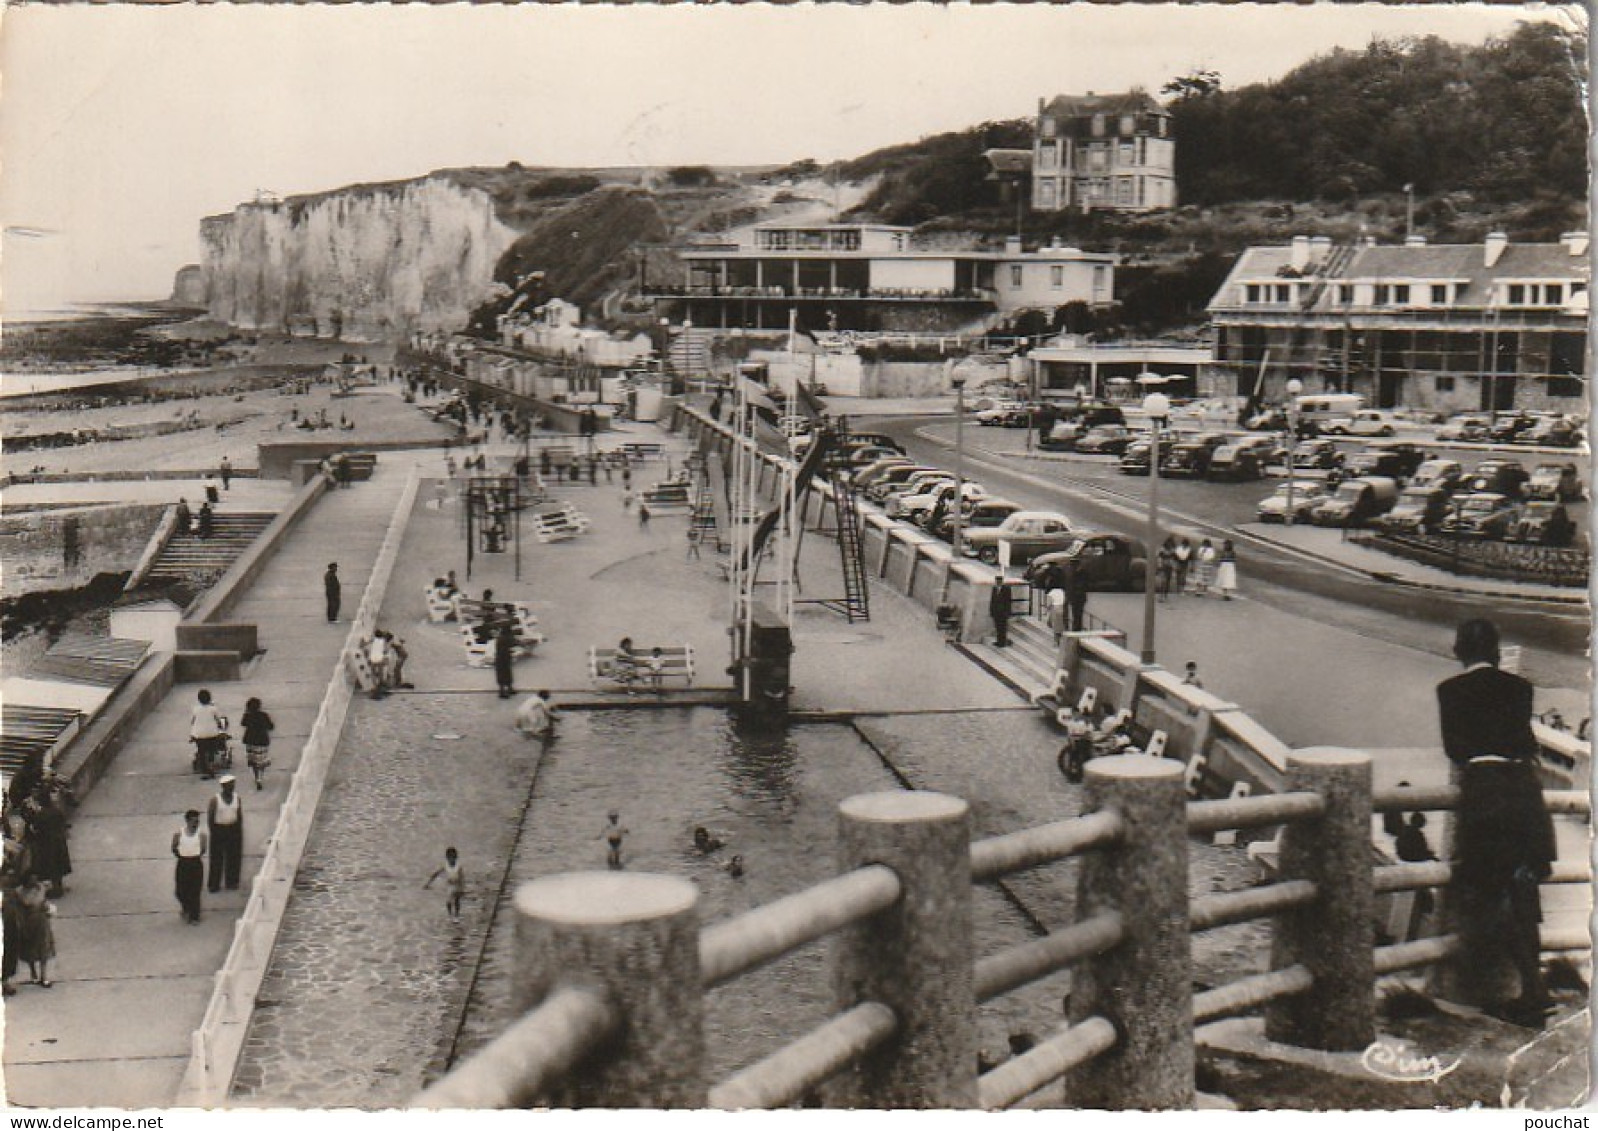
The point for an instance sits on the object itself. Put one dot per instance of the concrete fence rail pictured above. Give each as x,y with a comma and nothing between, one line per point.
906,981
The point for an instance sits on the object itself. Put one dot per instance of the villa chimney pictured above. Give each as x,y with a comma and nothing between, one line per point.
1055,242
1494,247
1299,257
1012,245
1575,243
1414,240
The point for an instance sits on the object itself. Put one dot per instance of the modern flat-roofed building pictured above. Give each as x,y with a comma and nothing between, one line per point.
1444,328
1112,152
874,277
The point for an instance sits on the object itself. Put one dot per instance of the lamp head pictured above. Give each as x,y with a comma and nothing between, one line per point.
1295,387
1157,406
958,381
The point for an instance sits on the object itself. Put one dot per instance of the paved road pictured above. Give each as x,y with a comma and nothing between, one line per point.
1554,638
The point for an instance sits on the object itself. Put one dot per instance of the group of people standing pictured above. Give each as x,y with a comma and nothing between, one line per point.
221,840
1182,568
33,872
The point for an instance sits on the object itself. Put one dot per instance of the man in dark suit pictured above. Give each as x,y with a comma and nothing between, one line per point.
1504,840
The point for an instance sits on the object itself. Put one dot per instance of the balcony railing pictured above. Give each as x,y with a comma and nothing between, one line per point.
900,294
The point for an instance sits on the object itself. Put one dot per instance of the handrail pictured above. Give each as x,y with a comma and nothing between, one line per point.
758,936
1044,1063
1223,908
1026,962
1574,801
1410,877
791,1071
1246,993
1044,844
1420,952
1253,812
519,1065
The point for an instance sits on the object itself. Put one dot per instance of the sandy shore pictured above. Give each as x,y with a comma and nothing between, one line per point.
229,420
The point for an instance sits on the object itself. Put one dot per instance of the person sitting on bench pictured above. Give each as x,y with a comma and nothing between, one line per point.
624,665
655,670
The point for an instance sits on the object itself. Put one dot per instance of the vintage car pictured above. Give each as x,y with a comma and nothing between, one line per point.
982,513
1106,439
1418,511
1105,560
1556,481
1544,523
1486,514
1369,422
1553,432
918,508
1356,502
1498,477
1469,427
1444,473
1245,458
1190,457
1029,533
1317,455
1307,495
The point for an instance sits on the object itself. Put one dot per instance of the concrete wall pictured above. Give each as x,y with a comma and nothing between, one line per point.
111,539
87,759
243,640
205,667
216,601
905,379
278,458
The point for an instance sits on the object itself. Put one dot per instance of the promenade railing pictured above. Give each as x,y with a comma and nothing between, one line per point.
218,1041
612,968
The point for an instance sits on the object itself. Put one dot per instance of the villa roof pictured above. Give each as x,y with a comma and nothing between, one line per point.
1082,105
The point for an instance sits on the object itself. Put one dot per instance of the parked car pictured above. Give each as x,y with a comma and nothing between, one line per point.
867,454
1062,437
1356,502
1552,432
865,476
1267,420
1307,495
1410,456
1318,455
999,414
1374,461
1486,514
1556,481
1029,534
918,508
1498,476
880,439
894,478
1444,473
1191,456
1370,422
1106,561
919,483
1544,523
1470,428
1106,439
1417,511
1506,427
1245,458
983,513
1135,460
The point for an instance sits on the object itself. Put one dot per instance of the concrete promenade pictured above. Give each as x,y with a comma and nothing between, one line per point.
132,980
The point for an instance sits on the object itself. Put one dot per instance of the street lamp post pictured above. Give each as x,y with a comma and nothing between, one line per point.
955,541
1156,406
1294,388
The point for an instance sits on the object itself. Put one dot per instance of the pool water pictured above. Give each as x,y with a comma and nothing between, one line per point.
773,800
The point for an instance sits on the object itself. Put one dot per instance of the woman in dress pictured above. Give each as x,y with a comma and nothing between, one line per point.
1226,574
52,859
190,845
257,739
1204,568
38,937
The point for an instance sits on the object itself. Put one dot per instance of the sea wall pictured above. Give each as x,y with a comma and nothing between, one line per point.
108,539
362,263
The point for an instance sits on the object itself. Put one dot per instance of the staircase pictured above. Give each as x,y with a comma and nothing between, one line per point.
187,554
702,524
689,352
1028,664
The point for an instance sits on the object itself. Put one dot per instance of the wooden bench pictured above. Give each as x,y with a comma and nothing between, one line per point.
440,605
559,524
471,613
644,451
671,494
480,653
675,663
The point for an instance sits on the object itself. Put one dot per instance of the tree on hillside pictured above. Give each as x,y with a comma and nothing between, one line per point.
1197,83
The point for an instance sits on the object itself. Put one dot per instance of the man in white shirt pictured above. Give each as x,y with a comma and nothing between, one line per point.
208,735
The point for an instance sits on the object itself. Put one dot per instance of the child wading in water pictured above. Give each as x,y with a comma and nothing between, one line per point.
454,883
613,834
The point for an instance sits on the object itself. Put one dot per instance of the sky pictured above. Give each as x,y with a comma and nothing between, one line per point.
124,125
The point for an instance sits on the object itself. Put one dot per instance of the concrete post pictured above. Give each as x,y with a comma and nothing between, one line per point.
1333,936
1144,986
916,957
636,938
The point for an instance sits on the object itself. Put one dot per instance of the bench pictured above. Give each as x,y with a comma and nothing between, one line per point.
440,605
480,653
470,613
675,663
644,451
557,525
673,493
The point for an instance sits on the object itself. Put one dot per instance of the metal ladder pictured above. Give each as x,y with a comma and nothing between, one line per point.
856,602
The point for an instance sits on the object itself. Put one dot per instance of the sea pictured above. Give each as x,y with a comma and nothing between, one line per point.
27,383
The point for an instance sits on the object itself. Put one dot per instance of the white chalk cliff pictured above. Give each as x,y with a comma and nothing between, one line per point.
360,263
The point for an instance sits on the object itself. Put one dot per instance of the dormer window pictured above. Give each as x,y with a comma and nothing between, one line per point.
1098,125
1345,294
1517,294
1128,125
1439,294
